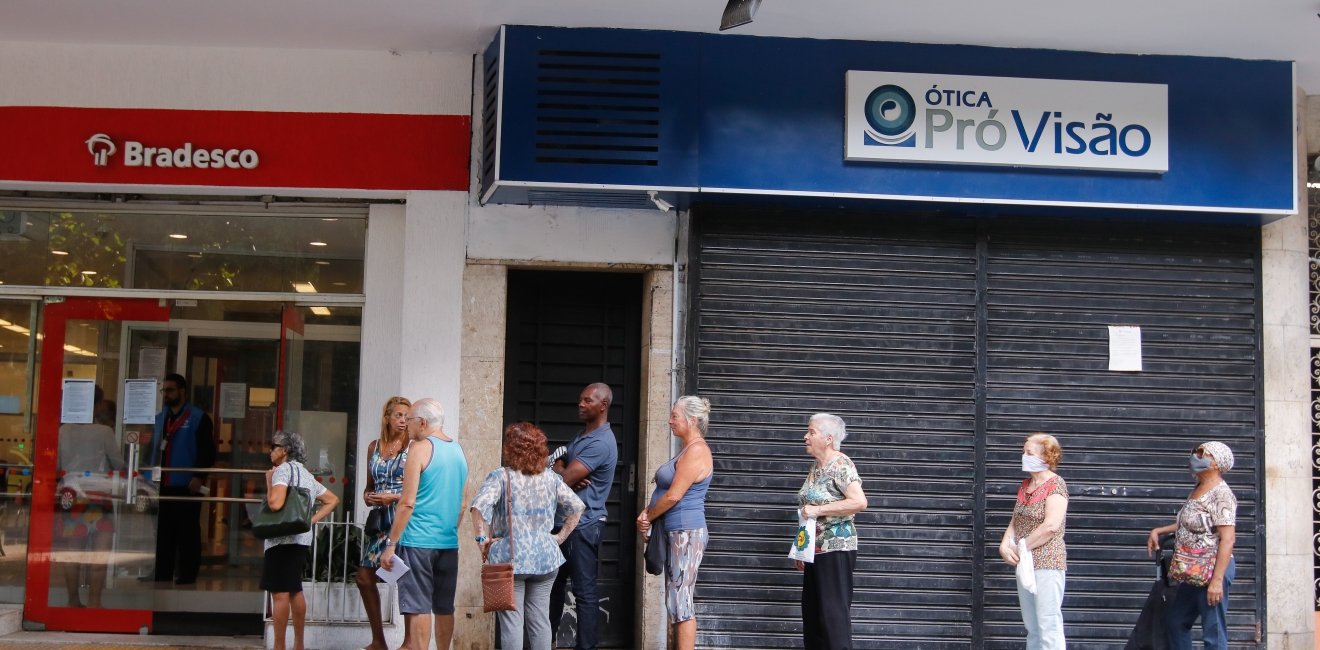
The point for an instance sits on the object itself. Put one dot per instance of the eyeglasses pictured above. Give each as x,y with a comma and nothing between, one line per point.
410,418
274,446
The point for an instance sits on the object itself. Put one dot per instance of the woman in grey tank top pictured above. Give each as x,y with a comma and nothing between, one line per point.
678,508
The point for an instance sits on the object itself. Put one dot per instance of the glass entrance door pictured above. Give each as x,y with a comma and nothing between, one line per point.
96,506
88,544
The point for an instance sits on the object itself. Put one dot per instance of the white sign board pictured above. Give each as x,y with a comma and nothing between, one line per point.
1124,348
233,400
139,401
960,119
79,399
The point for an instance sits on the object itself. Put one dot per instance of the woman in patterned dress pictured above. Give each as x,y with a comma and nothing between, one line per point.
385,459
678,507
538,495
832,494
1038,520
1206,522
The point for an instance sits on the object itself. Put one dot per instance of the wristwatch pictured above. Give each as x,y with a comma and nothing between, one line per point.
389,542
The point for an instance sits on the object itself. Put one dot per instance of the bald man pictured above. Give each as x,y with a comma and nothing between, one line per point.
588,468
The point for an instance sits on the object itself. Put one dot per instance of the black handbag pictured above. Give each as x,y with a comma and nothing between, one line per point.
375,524
657,548
293,519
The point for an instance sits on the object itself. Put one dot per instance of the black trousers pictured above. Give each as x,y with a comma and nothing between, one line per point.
827,593
178,537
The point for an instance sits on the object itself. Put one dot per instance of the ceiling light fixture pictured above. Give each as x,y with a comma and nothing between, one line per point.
178,235
89,272
304,287
317,243
321,311
59,252
738,12
322,262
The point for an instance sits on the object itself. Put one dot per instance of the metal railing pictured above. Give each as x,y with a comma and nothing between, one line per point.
332,593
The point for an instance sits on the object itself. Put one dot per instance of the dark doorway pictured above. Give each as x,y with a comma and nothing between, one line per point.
567,330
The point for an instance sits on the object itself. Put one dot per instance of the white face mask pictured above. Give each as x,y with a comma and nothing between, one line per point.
1032,464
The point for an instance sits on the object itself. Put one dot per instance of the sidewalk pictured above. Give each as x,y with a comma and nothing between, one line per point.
72,641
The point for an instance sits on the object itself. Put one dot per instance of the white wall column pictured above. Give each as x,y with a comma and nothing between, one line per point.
1289,591
412,321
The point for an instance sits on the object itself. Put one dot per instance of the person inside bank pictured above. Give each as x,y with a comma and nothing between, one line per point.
85,528
183,437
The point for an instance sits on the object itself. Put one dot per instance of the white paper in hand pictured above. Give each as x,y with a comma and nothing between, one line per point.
804,545
392,575
1026,568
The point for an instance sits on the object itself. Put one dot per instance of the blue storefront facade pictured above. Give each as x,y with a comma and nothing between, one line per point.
933,241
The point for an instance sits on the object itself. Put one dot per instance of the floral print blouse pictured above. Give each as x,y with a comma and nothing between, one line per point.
827,485
1029,512
536,499
1198,519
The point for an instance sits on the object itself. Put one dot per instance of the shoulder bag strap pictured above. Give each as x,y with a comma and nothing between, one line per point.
508,490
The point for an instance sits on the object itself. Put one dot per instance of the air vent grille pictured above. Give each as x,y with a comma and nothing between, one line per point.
590,199
598,108
490,116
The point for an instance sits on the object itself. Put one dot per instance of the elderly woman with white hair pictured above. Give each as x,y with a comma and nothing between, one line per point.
285,557
832,494
1203,563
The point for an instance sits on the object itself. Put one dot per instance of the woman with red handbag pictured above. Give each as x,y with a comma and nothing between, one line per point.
1203,553
517,505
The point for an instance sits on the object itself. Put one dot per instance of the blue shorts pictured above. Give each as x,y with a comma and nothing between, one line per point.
428,586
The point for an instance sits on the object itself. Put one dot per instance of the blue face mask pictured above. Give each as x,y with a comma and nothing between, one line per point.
1032,464
1201,463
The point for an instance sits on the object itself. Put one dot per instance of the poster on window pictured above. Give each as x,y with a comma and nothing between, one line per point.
79,400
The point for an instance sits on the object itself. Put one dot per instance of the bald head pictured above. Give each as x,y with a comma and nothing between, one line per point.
594,405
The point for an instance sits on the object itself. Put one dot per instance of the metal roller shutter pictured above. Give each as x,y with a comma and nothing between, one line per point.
878,320
877,326
1051,293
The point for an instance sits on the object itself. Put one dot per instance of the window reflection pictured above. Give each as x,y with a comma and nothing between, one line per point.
182,251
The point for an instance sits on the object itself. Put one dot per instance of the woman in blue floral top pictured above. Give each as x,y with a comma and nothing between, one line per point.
538,494
385,459
832,494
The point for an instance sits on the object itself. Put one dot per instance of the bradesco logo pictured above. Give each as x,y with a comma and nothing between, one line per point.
136,154
1007,121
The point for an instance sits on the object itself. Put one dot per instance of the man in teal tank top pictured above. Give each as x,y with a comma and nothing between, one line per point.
425,531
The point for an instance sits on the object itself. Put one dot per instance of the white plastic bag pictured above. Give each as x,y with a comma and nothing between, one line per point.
804,545
1026,568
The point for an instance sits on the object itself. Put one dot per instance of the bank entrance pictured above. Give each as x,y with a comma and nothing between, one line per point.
249,312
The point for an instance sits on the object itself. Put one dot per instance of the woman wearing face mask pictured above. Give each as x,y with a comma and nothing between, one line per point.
1206,523
1038,518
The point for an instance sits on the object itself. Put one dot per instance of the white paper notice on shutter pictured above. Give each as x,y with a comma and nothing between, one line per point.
1125,348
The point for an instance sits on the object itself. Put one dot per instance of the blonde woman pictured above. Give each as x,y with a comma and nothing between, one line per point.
385,459
679,502
1038,519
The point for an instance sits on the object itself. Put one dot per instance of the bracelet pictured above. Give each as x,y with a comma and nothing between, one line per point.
389,542
481,539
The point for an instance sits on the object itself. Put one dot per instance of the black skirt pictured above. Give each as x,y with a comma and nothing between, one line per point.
282,569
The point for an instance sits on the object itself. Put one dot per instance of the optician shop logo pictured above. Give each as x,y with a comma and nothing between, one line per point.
890,114
102,148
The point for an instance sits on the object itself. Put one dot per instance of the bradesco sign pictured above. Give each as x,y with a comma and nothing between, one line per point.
956,119
135,154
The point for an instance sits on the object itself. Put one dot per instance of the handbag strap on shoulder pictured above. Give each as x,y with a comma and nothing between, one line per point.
508,491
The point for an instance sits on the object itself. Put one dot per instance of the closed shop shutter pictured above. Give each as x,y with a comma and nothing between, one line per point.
1052,293
876,319
878,327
